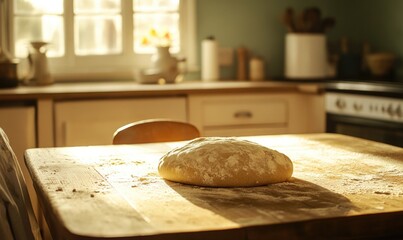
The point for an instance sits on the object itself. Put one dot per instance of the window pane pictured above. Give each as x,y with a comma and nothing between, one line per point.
95,35
38,6
155,5
96,6
43,28
151,30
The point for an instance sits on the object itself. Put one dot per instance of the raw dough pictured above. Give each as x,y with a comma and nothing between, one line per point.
225,162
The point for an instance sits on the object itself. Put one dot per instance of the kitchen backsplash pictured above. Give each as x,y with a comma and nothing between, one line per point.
257,25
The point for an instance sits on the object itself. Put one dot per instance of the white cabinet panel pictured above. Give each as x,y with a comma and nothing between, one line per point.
93,122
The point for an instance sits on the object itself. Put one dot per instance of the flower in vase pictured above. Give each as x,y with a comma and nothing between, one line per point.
157,38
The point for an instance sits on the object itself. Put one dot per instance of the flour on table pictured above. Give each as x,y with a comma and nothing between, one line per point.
225,162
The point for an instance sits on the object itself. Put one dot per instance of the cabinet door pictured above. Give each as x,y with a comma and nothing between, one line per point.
93,122
18,122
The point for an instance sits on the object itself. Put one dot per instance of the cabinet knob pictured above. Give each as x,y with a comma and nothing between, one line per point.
243,114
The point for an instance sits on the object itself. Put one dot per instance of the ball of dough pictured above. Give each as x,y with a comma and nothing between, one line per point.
225,162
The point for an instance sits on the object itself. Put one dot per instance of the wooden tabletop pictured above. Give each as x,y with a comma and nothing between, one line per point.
341,187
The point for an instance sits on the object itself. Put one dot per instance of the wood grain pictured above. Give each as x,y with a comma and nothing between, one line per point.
342,187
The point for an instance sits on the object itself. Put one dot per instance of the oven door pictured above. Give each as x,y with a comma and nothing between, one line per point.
376,130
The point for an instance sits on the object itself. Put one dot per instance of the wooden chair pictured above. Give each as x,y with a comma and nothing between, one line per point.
17,219
155,130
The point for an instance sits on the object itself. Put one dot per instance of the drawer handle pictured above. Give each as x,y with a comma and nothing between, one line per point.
243,114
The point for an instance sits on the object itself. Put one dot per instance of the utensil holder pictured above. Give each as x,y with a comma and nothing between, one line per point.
305,56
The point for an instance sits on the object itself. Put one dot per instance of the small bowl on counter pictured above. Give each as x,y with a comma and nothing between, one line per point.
381,64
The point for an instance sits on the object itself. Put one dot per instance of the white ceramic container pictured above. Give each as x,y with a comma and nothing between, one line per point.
305,56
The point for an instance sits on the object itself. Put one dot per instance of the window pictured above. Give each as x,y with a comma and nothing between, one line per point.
110,38
156,24
97,27
37,20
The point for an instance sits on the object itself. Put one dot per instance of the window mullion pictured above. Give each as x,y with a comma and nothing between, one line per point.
127,27
188,26
69,31
8,25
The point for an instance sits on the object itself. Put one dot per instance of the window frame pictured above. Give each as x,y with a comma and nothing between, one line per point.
122,66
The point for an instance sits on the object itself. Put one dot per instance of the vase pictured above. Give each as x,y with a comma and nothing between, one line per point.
38,63
165,64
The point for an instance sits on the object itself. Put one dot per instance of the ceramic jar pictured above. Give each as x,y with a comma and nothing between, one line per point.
256,69
305,56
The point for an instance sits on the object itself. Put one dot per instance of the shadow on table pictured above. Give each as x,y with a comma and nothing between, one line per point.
289,201
274,210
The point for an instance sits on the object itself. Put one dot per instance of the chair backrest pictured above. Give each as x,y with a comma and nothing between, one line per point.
155,130
17,219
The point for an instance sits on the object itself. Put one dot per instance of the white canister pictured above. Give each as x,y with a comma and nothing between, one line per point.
305,56
256,69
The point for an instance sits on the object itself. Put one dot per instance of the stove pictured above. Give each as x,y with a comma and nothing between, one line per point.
369,107
372,110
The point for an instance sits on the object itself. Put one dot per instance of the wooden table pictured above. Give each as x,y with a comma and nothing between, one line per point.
341,187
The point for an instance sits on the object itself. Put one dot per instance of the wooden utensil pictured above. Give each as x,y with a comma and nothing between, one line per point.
327,23
288,19
312,20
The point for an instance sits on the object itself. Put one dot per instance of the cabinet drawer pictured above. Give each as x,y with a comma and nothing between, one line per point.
244,112
244,131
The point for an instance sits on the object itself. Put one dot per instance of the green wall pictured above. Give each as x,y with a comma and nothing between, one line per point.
256,24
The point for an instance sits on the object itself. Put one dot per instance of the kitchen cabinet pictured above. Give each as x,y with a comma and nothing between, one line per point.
93,122
17,119
256,114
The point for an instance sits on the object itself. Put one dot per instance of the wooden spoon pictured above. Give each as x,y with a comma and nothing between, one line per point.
288,19
327,23
312,20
